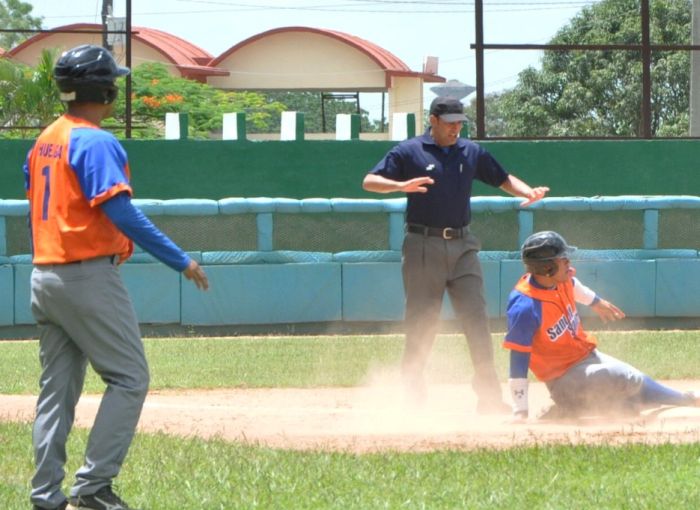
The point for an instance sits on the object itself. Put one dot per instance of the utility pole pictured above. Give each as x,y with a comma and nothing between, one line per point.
480,100
127,44
645,128
106,14
695,71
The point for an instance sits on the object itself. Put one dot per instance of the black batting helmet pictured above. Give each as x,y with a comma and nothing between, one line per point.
541,248
87,73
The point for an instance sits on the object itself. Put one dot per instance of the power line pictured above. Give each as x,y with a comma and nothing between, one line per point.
366,6
358,7
493,3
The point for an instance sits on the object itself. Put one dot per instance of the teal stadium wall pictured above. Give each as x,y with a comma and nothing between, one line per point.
328,261
307,258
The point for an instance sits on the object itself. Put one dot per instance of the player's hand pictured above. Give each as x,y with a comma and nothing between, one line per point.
534,195
417,185
607,311
195,273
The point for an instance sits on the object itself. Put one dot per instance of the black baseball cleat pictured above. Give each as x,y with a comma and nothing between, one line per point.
103,499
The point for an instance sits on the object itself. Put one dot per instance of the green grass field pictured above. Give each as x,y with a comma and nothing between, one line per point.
163,472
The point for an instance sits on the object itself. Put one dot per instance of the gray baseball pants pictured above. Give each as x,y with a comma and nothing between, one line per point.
430,266
84,314
599,382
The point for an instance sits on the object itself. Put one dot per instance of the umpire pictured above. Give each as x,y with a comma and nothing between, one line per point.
439,253
83,225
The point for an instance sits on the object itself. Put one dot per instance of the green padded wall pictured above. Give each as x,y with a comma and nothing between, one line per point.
216,169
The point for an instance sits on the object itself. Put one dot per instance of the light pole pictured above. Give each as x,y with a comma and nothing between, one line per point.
106,14
454,89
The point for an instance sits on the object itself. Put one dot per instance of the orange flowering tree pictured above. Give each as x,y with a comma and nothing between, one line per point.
29,101
155,92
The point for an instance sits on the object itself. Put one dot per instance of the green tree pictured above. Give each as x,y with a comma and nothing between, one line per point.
495,118
156,92
599,93
17,15
28,96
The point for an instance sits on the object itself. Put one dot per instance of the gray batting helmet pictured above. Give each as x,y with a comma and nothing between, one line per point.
87,73
541,248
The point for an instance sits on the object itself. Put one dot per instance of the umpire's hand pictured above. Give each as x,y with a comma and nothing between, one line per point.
195,273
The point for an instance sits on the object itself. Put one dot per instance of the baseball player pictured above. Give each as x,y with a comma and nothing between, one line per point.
545,335
83,226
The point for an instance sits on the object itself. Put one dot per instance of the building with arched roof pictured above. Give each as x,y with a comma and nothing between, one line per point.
284,59
304,58
147,45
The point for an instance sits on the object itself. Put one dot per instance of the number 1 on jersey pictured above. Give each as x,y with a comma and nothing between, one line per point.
46,172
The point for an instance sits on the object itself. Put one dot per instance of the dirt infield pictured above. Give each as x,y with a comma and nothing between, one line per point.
374,418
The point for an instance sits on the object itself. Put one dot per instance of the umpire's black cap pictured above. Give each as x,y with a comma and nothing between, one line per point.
448,109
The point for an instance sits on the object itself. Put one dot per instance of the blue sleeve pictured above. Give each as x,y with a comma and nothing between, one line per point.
134,224
25,170
524,316
488,170
99,162
390,166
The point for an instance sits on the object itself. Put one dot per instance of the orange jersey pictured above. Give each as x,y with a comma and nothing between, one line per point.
73,167
546,324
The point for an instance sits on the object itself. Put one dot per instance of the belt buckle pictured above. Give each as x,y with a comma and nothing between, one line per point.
446,233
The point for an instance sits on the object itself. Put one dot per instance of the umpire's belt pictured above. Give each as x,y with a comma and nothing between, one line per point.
446,233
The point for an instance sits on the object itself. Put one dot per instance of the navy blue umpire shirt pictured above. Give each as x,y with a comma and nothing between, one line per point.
454,168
